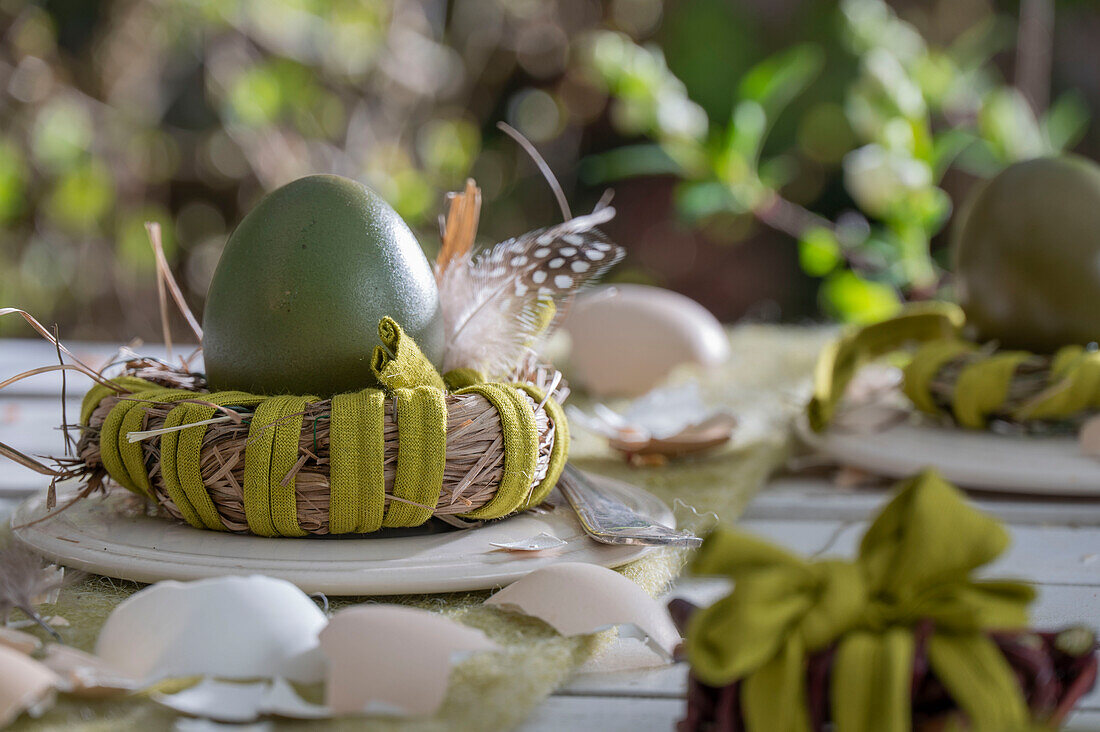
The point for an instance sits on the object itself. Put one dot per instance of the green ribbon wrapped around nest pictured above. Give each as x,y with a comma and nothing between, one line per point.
982,387
914,564
357,501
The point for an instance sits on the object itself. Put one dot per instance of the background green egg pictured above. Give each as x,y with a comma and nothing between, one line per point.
294,304
1027,255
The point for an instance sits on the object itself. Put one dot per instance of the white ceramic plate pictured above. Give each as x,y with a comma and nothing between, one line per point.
968,458
100,535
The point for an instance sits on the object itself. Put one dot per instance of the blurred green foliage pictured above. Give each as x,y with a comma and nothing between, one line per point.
833,125
908,112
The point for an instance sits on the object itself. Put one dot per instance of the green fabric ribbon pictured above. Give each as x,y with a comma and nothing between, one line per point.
399,363
843,357
914,564
99,392
181,455
357,456
521,447
1074,386
982,386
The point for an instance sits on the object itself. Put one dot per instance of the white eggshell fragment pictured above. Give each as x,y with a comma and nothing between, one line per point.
25,685
627,339
225,627
393,660
577,599
86,675
238,703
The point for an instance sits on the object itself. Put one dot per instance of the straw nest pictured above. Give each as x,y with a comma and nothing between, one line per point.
474,462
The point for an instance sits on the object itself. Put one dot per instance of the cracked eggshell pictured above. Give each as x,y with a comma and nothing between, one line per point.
627,339
86,675
238,703
577,599
18,640
226,627
25,685
393,660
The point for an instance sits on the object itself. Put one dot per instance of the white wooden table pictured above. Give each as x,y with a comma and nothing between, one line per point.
1056,545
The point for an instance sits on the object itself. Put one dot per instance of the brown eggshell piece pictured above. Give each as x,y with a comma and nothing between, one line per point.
25,684
390,659
577,599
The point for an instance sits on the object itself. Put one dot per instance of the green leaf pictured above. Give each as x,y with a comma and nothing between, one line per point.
1008,124
818,252
747,128
697,201
853,299
947,146
13,174
630,161
256,96
82,197
778,79
1066,121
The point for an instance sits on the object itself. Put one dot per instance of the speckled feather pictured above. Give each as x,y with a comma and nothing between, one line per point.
491,300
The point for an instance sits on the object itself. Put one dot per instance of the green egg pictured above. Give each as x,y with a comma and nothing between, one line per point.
295,301
1027,255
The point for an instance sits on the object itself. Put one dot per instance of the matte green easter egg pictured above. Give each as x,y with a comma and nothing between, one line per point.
295,301
1027,255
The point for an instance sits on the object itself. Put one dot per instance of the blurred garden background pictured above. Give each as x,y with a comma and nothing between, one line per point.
783,160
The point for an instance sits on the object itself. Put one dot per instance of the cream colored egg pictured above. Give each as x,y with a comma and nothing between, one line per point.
627,339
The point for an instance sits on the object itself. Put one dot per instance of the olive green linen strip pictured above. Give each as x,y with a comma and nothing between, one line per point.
1075,386
124,460
133,453
461,378
284,457
559,453
842,358
980,681
99,392
421,416
871,678
183,450
270,505
399,362
926,363
521,445
169,467
357,497
982,387
109,453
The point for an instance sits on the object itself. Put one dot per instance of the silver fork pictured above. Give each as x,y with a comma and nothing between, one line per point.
606,518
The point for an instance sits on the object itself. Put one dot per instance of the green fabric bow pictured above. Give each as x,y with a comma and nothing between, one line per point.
914,563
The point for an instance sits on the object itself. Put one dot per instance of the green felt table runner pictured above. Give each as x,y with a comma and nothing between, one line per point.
765,383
